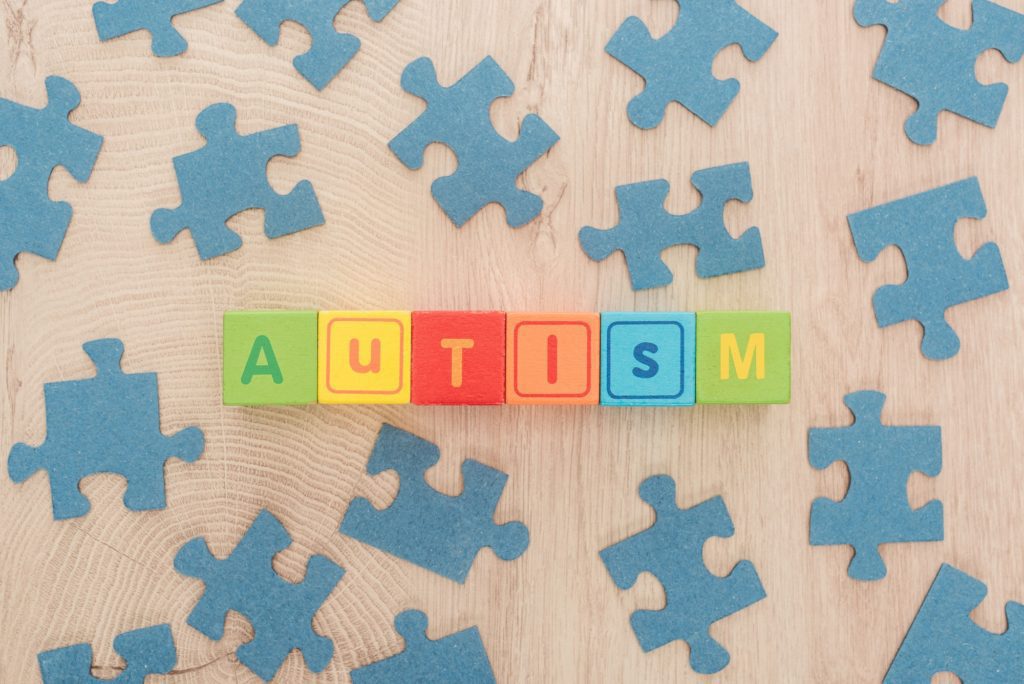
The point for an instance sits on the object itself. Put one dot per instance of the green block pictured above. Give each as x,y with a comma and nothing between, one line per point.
269,357
743,357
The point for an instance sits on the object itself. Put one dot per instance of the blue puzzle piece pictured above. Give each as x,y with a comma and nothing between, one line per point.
459,117
330,50
938,277
458,658
672,550
43,139
943,637
646,230
438,532
875,509
229,175
145,651
934,62
122,17
280,612
677,66
106,424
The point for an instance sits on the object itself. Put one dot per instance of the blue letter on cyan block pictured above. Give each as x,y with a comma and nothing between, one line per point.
648,359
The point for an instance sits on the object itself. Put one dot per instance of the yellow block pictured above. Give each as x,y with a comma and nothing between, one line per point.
365,357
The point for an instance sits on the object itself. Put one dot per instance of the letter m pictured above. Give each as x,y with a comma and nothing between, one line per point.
731,356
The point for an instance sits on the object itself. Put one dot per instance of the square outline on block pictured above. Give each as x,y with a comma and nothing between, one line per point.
401,357
682,362
515,360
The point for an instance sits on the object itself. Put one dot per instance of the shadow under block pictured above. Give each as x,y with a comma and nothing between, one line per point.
743,357
458,357
648,359
365,357
553,358
269,357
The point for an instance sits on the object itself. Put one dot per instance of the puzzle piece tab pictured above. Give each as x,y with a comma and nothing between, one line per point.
280,612
677,66
938,277
646,230
330,50
106,424
875,510
943,638
672,551
42,139
229,175
459,117
438,532
145,651
122,17
458,658
934,63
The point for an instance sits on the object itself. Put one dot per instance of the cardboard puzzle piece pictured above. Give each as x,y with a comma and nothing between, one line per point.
459,117
677,66
672,551
943,638
42,139
645,229
934,63
458,658
938,277
121,17
280,612
229,175
145,651
109,423
438,532
330,50
875,510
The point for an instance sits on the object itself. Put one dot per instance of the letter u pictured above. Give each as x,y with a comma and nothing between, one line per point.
354,361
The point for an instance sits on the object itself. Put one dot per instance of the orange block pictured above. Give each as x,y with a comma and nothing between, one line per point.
553,358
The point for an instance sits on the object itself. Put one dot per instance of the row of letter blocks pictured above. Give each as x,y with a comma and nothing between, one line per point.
461,357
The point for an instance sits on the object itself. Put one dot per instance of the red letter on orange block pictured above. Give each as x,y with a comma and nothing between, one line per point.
553,358
458,357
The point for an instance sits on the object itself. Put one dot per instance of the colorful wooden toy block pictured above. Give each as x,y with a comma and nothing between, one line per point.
365,357
648,359
490,357
458,357
269,357
743,358
552,358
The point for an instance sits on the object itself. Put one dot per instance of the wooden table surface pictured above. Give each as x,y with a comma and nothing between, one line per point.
823,140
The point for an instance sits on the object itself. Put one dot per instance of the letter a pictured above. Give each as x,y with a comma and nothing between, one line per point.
261,347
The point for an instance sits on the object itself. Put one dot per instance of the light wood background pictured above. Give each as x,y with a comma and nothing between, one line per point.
823,140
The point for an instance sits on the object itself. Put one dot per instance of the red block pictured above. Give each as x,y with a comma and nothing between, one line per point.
458,357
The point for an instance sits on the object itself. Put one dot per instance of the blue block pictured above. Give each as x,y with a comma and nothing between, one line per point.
648,359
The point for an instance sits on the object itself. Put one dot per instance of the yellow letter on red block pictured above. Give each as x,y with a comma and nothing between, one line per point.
365,357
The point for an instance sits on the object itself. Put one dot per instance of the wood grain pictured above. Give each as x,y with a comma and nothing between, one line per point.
823,140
